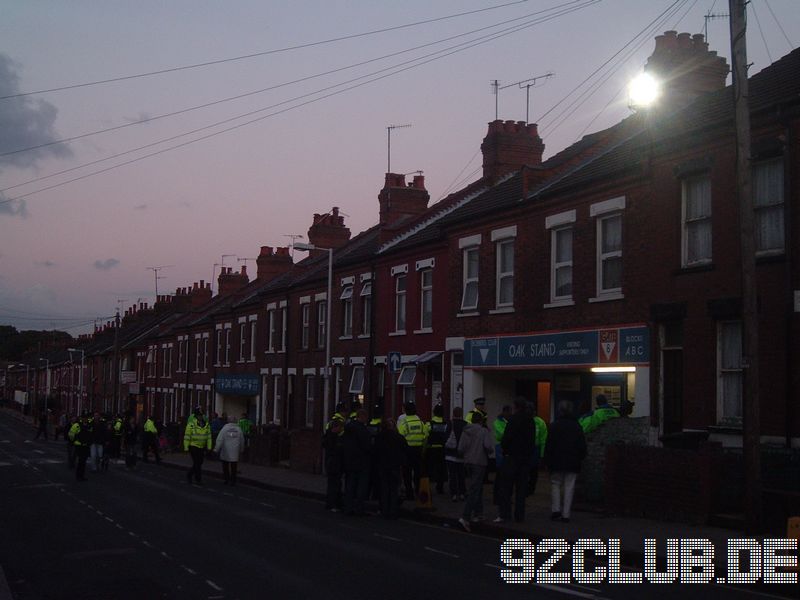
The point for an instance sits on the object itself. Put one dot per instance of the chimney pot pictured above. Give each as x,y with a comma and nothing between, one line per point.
244,270
266,251
202,284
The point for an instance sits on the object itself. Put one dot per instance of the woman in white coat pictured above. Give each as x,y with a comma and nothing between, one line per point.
228,446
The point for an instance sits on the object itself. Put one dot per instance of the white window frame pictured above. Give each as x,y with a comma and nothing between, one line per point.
310,381
242,341
470,281
555,265
354,388
305,331
205,353
776,204
347,310
322,316
228,331
722,372
425,290
602,292
277,399
284,325
400,303
502,275
253,331
685,222
366,308
198,351
181,354
271,330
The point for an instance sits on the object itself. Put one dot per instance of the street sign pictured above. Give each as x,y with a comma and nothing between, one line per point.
395,360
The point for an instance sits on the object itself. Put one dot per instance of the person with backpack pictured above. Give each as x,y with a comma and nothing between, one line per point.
455,464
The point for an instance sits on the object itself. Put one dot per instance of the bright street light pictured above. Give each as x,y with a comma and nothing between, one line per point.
643,91
326,380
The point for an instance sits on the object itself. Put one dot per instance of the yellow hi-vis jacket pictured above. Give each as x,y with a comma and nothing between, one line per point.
413,429
197,436
74,430
149,426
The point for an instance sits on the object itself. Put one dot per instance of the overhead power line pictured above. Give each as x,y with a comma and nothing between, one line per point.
278,86
263,53
419,61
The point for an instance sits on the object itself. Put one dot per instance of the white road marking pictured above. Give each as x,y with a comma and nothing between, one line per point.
5,464
28,441
267,505
120,526
188,570
99,512
109,519
130,533
165,555
213,585
429,549
5,441
49,461
146,543
227,494
491,566
387,537
39,451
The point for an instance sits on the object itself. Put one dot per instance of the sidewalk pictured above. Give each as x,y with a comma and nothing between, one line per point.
584,522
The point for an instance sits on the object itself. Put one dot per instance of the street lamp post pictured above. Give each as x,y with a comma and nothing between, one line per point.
327,376
46,386
80,377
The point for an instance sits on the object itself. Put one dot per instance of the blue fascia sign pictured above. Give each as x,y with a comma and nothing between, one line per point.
237,384
618,345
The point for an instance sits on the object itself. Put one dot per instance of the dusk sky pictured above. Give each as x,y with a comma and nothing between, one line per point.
68,254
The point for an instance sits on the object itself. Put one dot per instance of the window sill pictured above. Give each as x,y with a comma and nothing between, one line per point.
468,314
423,330
770,256
697,268
726,427
607,297
560,303
364,336
345,337
503,310
396,333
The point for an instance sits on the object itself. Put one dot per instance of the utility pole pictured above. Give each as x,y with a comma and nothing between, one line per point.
751,434
389,144
115,403
294,237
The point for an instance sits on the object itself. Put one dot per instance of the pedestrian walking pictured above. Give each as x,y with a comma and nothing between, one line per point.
519,445
117,431
477,447
228,447
70,444
391,453
455,463
196,440
499,428
150,440
538,453
356,450
436,434
99,438
130,438
246,426
413,430
564,452
333,445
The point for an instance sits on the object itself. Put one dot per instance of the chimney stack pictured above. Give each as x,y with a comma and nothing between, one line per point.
328,230
510,145
228,282
399,201
271,263
685,67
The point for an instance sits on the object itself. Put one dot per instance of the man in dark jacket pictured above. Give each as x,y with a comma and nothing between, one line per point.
390,454
356,463
518,443
563,454
333,444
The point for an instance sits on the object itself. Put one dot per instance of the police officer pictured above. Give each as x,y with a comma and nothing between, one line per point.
197,439
374,428
80,434
413,430
246,425
480,404
437,432
337,416
117,430
538,453
150,440
604,412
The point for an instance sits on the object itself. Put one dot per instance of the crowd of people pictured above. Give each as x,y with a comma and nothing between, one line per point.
393,461
378,458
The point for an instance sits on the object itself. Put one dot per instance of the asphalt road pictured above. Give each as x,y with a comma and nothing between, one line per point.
148,534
